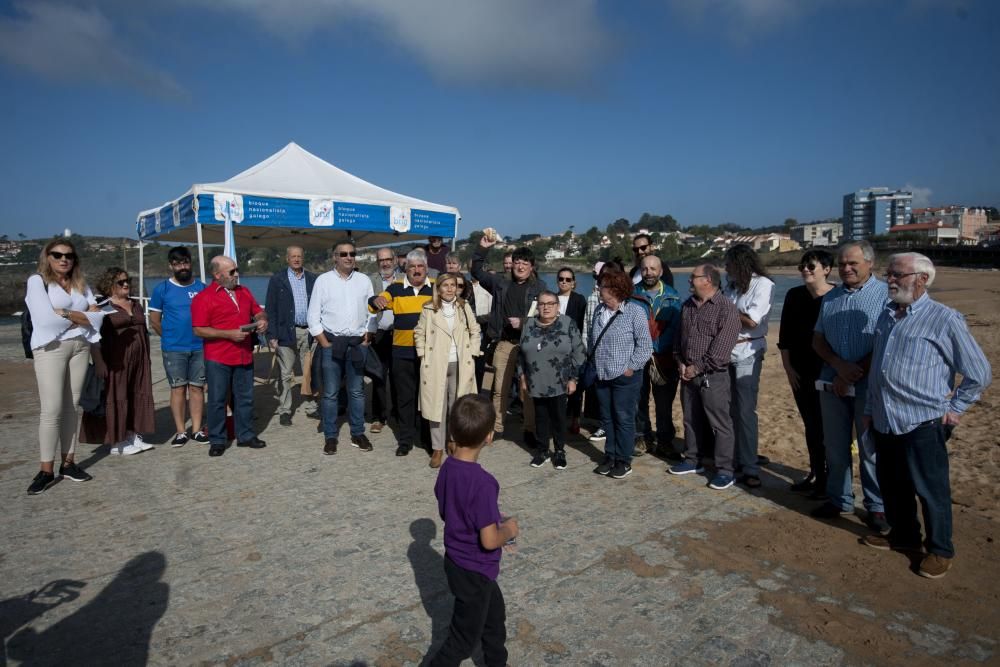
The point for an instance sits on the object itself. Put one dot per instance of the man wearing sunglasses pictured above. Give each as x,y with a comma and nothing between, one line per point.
183,352
287,301
642,246
339,321
221,315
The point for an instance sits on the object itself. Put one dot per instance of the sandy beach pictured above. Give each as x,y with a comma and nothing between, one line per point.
847,585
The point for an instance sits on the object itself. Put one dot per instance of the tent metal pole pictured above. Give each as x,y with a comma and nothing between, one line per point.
201,252
142,264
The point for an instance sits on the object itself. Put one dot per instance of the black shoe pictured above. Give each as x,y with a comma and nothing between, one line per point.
71,470
805,486
830,511
876,521
621,470
605,467
361,442
559,460
403,450
540,458
751,481
285,420
201,438
330,448
42,481
315,414
253,443
763,460
179,440
216,450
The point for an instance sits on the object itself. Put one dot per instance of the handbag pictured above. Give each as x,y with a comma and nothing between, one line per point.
655,374
588,371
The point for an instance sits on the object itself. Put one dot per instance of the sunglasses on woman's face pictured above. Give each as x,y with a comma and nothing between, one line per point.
811,267
565,279
71,256
123,283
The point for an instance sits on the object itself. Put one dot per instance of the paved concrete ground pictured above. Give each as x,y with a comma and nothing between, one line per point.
287,556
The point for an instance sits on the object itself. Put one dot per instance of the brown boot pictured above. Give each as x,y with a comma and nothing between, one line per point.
436,458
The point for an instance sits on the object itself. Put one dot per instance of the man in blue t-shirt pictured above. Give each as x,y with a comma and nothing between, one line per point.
183,356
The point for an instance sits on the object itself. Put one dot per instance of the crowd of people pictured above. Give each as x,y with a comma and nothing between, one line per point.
870,363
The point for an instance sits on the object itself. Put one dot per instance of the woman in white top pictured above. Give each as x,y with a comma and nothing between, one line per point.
751,290
446,339
62,341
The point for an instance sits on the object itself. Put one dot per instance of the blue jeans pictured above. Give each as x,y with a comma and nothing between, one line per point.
333,371
744,378
184,368
221,379
618,400
840,415
910,466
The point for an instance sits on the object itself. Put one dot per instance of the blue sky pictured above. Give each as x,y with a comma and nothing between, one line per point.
528,116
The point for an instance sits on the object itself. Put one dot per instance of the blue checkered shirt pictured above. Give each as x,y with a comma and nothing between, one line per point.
627,343
298,284
847,320
914,365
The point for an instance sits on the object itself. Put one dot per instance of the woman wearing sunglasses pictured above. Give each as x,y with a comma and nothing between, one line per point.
128,409
551,350
573,305
802,365
62,343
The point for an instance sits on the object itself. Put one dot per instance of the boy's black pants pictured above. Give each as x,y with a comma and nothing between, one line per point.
480,613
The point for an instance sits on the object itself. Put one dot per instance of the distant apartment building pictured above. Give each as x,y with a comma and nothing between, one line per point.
932,233
759,242
554,253
968,221
874,211
817,233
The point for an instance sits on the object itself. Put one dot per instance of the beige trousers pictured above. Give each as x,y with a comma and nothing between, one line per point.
60,371
439,429
286,367
505,361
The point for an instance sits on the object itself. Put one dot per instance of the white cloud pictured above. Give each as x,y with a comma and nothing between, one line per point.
921,196
553,43
69,43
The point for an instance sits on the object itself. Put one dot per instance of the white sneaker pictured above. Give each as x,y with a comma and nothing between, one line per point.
116,449
129,449
140,443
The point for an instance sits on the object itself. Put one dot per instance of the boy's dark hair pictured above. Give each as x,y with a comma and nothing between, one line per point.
178,253
471,420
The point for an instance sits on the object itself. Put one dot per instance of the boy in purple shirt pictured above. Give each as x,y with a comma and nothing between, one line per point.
474,534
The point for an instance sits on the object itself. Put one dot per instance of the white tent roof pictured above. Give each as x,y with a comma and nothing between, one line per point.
295,173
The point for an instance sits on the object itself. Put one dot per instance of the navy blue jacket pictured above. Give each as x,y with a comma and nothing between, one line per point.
280,307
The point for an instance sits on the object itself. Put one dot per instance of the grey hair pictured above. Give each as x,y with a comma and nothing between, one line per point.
921,264
713,273
452,257
416,256
867,251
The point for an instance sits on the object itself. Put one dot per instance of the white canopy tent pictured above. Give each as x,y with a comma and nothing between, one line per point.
293,198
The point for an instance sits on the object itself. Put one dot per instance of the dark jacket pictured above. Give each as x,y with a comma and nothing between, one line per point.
280,307
497,284
576,309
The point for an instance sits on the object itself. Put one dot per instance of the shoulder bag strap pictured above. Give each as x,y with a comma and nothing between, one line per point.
601,335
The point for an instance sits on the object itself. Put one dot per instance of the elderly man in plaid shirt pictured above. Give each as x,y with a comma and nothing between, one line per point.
710,325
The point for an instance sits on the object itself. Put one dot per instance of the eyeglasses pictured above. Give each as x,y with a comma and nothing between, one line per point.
563,279
352,253
896,275
640,248
181,262
233,272
71,256
547,303
122,283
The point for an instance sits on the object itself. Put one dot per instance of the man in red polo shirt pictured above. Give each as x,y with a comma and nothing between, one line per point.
221,315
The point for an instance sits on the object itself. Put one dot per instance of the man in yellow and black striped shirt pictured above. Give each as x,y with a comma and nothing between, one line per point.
406,298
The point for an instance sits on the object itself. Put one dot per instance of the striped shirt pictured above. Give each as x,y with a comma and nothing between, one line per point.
593,301
914,365
405,301
627,343
298,283
847,321
708,333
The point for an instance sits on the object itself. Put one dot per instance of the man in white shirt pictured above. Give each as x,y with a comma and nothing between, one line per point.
748,287
338,319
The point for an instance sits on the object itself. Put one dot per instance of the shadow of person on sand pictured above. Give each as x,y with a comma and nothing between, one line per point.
113,628
428,573
18,611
